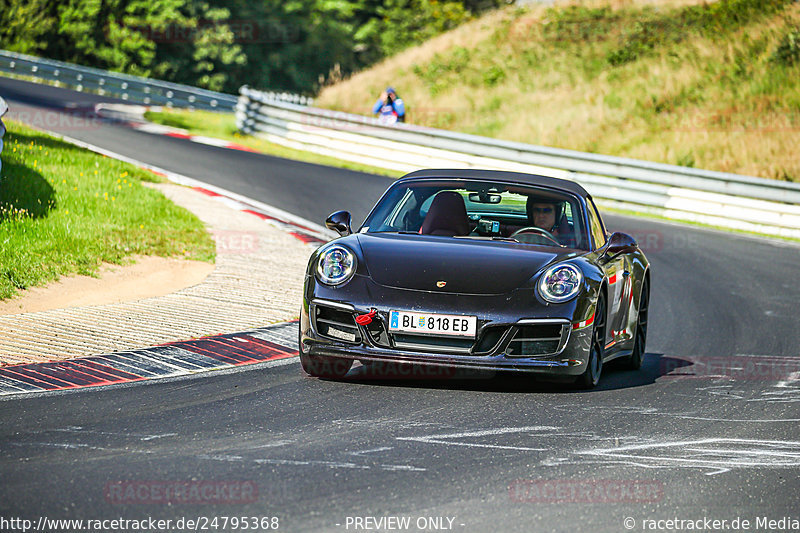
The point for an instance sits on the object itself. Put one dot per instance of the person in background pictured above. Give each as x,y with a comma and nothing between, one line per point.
390,107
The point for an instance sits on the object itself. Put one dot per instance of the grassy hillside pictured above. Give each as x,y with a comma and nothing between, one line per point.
713,85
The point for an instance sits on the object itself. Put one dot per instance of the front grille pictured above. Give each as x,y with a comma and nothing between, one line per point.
532,339
433,344
336,324
538,339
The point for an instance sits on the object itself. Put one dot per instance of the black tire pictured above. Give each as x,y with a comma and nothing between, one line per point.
594,366
321,366
634,360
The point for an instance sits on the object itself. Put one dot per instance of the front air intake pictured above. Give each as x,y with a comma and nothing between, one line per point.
533,340
336,324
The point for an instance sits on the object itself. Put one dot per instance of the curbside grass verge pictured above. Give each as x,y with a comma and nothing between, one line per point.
65,210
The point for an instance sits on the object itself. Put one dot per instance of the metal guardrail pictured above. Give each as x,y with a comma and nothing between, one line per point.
134,89
734,201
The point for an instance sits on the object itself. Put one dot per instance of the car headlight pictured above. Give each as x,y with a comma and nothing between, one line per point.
560,283
336,265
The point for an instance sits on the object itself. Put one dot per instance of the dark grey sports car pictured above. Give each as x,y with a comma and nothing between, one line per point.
477,269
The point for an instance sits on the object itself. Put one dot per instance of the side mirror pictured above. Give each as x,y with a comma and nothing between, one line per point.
620,243
339,222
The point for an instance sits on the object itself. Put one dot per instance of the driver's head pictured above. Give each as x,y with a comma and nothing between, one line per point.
542,212
544,215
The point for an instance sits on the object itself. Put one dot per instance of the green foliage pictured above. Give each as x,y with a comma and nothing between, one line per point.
493,75
294,45
402,23
686,160
203,48
578,24
726,15
26,26
440,71
644,37
655,30
188,42
788,51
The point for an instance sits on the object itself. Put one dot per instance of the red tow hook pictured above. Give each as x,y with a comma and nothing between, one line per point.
363,320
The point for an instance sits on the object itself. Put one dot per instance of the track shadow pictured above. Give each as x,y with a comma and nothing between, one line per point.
614,377
24,189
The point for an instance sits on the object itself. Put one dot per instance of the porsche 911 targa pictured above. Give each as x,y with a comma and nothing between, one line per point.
477,269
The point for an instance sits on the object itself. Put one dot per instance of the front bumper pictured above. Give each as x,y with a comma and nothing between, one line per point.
373,343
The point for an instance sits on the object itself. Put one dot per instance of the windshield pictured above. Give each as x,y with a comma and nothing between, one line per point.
481,210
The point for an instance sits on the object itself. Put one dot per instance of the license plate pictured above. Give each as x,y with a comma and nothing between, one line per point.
432,324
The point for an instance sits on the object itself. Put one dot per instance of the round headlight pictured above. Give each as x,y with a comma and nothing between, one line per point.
560,283
336,265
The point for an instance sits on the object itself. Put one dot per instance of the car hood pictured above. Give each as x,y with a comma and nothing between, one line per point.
468,266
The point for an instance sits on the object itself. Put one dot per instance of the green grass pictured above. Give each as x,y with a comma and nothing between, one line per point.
65,210
223,126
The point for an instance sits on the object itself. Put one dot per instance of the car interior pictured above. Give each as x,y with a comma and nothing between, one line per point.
482,210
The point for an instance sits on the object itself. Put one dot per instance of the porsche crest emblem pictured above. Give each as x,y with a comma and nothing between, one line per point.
441,284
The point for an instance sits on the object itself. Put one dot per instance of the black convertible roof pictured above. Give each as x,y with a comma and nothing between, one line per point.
499,175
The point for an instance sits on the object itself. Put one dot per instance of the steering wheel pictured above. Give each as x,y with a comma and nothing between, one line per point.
536,230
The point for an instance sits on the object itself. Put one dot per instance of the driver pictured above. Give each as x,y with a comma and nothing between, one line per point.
549,215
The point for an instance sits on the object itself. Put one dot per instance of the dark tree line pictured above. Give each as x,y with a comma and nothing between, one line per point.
293,45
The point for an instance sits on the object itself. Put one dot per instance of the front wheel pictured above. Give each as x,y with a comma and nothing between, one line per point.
594,365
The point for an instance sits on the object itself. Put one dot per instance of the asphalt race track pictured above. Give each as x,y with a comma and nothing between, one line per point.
283,183
708,429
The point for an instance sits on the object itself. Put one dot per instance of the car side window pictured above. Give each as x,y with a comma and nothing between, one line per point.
596,226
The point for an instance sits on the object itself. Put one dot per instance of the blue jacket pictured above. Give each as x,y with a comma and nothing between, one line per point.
396,109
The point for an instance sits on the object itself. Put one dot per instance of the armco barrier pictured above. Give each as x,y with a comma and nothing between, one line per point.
728,200
134,89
